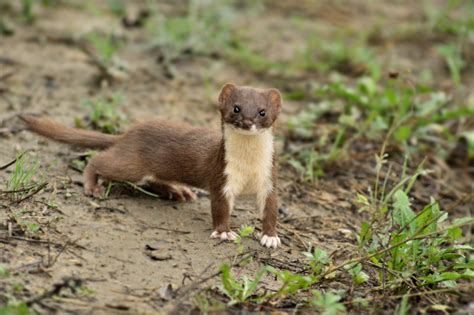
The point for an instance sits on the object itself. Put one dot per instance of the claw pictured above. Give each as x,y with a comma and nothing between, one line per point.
229,236
270,241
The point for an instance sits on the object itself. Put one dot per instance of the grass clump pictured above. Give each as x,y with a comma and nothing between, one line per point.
413,249
21,181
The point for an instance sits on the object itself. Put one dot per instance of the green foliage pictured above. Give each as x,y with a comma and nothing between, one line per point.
239,290
15,308
105,45
404,307
327,303
416,247
3,272
117,7
27,10
244,231
105,114
468,136
358,275
291,282
452,55
318,259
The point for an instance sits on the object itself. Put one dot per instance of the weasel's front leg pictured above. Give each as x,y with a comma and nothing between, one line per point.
221,207
269,207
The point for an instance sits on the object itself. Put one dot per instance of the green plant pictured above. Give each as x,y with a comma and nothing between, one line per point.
105,114
27,10
244,231
105,45
358,275
291,282
327,303
117,7
21,179
15,308
25,225
239,290
415,248
318,259
452,55
3,272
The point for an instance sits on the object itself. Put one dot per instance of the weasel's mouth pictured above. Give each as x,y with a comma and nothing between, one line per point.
245,130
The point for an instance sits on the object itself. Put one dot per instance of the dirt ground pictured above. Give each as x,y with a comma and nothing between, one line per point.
128,248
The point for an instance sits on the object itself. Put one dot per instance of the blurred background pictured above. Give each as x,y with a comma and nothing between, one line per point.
348,69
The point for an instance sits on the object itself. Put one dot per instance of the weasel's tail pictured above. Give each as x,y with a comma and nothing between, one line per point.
80,137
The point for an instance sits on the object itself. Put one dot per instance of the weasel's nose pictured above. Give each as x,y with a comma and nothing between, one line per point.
247,123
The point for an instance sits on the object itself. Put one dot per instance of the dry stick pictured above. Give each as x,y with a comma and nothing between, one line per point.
296,234
8,164
37,190
30,240
27,188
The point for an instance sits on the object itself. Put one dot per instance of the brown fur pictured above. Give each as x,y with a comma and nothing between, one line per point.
168,154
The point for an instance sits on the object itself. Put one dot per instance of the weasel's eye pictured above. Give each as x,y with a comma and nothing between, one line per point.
262,113
236,109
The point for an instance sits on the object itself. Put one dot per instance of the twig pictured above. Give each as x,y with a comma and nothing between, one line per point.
34,192
8,164
29,240
27,188
67,283
51,264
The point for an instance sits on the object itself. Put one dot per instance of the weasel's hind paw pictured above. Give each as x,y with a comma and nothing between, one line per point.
270,241
96,191
229,236
178,193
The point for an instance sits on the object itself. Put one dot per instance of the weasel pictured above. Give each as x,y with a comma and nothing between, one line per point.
239,160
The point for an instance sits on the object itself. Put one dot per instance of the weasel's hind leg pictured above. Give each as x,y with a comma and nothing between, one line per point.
172,191
109,166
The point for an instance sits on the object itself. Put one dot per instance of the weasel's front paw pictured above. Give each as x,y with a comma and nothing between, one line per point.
96,191
270,241
230,236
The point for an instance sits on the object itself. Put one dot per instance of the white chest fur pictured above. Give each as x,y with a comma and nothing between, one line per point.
249,162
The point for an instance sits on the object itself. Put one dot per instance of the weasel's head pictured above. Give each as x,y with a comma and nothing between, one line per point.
248,110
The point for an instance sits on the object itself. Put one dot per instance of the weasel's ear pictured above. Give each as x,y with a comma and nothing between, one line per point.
226,92
275,98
